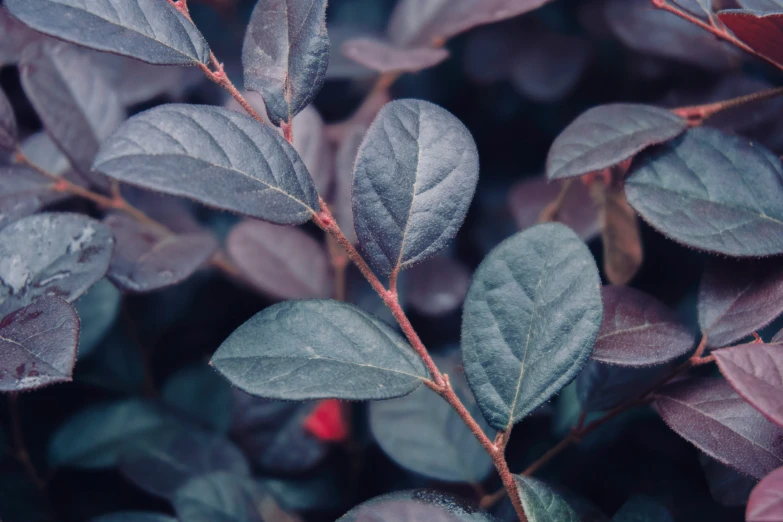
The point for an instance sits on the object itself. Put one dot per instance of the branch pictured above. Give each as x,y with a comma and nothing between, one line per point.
696,114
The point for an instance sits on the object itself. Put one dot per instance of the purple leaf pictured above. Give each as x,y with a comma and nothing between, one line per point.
148,30
147,258
608,135
383,57
709,414
284,262
763,5
38,344
181,149
286,54
766,502
16,36
638,330
421,22
728,487
161,467
51,254
548,65
78,107
734,207
529,197
601,387
620,235
272,433
656,32
417,505
738,297
22,192
762,32
489,52
437,286
8,132
343,179
755,370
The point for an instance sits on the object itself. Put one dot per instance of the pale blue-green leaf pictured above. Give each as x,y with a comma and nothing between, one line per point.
201,393
97,310
541,503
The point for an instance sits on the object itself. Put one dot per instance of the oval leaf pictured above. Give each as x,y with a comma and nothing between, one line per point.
710,415
762,32
8,132
728,486
755,371
620,234
765,503
22,192
642,509
51,254
284,262
148,30
530,321
423,433
182,149
607,135
541,504
147,258
79,109
638,330
114,429
318,349
414,178
738,297
415,506
734,206
437,286
601,387
97,310
201,393
383,57
38,344
286,54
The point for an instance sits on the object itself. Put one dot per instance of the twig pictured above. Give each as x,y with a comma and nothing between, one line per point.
697,113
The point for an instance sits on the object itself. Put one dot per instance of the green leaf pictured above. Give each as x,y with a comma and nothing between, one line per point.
200,392
316,349
96,437
642,509
541,504
97,311
530,321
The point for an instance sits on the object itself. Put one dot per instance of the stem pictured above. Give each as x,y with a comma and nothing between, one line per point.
440,382
550,212
288,131
720,32
20,450
698,113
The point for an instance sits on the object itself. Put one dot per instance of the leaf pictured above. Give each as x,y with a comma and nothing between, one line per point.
38,345
133,516
181,150
437,286
638,330
656,32
114,428
710,415
16,36
620,235
760,30
40,150
755,371
311,143
147,258
530,321
414,178
324,491
8,131
285,54
529,197
78,108
284,262
272,433
641,508
415,506
163,467
22,192
97,310
148,30
226,497
601,387
762,5
383,57
201,393
541,504
728,487
734,207
738,297
51,254
316,349
423,433
116,364
765,503
345,158
607,135
422,22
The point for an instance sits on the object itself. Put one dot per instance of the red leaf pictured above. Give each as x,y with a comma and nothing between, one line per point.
766,501
764,34
327,421
756,372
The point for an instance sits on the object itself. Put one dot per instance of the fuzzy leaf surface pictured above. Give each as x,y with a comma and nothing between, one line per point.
381,56
765,503
8,131
530,320
762,31
414,178
541,503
